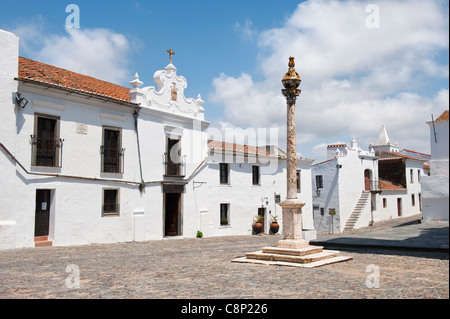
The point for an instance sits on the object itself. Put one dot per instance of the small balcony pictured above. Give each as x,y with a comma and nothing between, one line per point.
46,152
175,166
112,159
374,186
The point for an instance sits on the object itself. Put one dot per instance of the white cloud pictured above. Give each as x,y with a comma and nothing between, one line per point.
354,78
247,31
99,53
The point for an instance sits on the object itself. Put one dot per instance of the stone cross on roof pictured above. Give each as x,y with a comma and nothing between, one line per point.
170,53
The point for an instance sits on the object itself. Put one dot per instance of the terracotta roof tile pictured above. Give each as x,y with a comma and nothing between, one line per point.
386,154
237,147
389,185
42,73
336,145
443,117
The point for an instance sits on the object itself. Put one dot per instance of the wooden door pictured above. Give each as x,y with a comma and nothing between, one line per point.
46,142
367,180
42,219
173,166
172,214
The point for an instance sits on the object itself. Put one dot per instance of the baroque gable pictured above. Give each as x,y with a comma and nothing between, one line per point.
168,95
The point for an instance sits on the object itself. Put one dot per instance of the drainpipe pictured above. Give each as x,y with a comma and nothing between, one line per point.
136,116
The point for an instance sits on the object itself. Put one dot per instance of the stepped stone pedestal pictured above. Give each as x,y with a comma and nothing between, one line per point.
293,250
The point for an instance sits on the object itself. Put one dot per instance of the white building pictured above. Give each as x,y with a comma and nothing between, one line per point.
343,185
435,187
356,188
86,161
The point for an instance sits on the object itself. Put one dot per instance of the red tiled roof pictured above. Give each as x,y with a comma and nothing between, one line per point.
336,145
443,117
326,161
41,73
389,185
389,154
237,147
409,151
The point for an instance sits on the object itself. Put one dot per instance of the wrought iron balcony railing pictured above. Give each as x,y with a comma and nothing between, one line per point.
46,152
174,165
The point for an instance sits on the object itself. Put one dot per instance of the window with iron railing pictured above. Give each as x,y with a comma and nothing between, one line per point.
174,162
174,165
112,153
46,145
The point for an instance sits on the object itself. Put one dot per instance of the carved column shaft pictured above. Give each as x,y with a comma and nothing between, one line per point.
291,178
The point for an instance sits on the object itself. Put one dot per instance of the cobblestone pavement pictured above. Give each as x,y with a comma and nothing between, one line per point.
202,269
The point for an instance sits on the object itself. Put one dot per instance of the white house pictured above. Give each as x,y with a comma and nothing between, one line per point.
86,161
435,187
343,185
356,188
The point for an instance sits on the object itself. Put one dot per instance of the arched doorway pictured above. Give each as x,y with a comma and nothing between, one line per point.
367,177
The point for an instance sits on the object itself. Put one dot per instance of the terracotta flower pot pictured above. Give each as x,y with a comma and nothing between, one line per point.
274,227
257,228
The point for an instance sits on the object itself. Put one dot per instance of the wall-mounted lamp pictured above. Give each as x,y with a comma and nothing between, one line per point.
21,101
318,192
338,166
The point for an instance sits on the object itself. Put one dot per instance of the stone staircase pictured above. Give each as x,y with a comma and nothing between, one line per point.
42,241
308,257
353,219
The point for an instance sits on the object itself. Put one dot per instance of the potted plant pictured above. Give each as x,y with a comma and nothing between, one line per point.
258,224
274,226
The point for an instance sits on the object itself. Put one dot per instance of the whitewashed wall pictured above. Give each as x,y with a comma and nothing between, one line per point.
9,51
435,191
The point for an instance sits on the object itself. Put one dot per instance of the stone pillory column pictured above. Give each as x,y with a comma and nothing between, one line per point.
292,208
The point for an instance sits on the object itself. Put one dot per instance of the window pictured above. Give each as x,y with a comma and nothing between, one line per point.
411,173
277,198
174,160
110,202
299,188
112,152
224,214
319,181
255,175
224,174
384,202
413,200
46,144
418,175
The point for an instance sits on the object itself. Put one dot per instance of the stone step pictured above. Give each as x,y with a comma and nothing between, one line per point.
293,259
313,264
42,241
294,252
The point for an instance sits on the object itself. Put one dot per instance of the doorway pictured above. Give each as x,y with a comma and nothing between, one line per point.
42,217
172,214
367,174
262,213
399,207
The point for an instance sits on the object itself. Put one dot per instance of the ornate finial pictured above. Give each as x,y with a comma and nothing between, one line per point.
291,62
291,74
136,83
291,82
170,53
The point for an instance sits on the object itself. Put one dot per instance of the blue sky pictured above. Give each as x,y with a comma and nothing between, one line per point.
234,53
